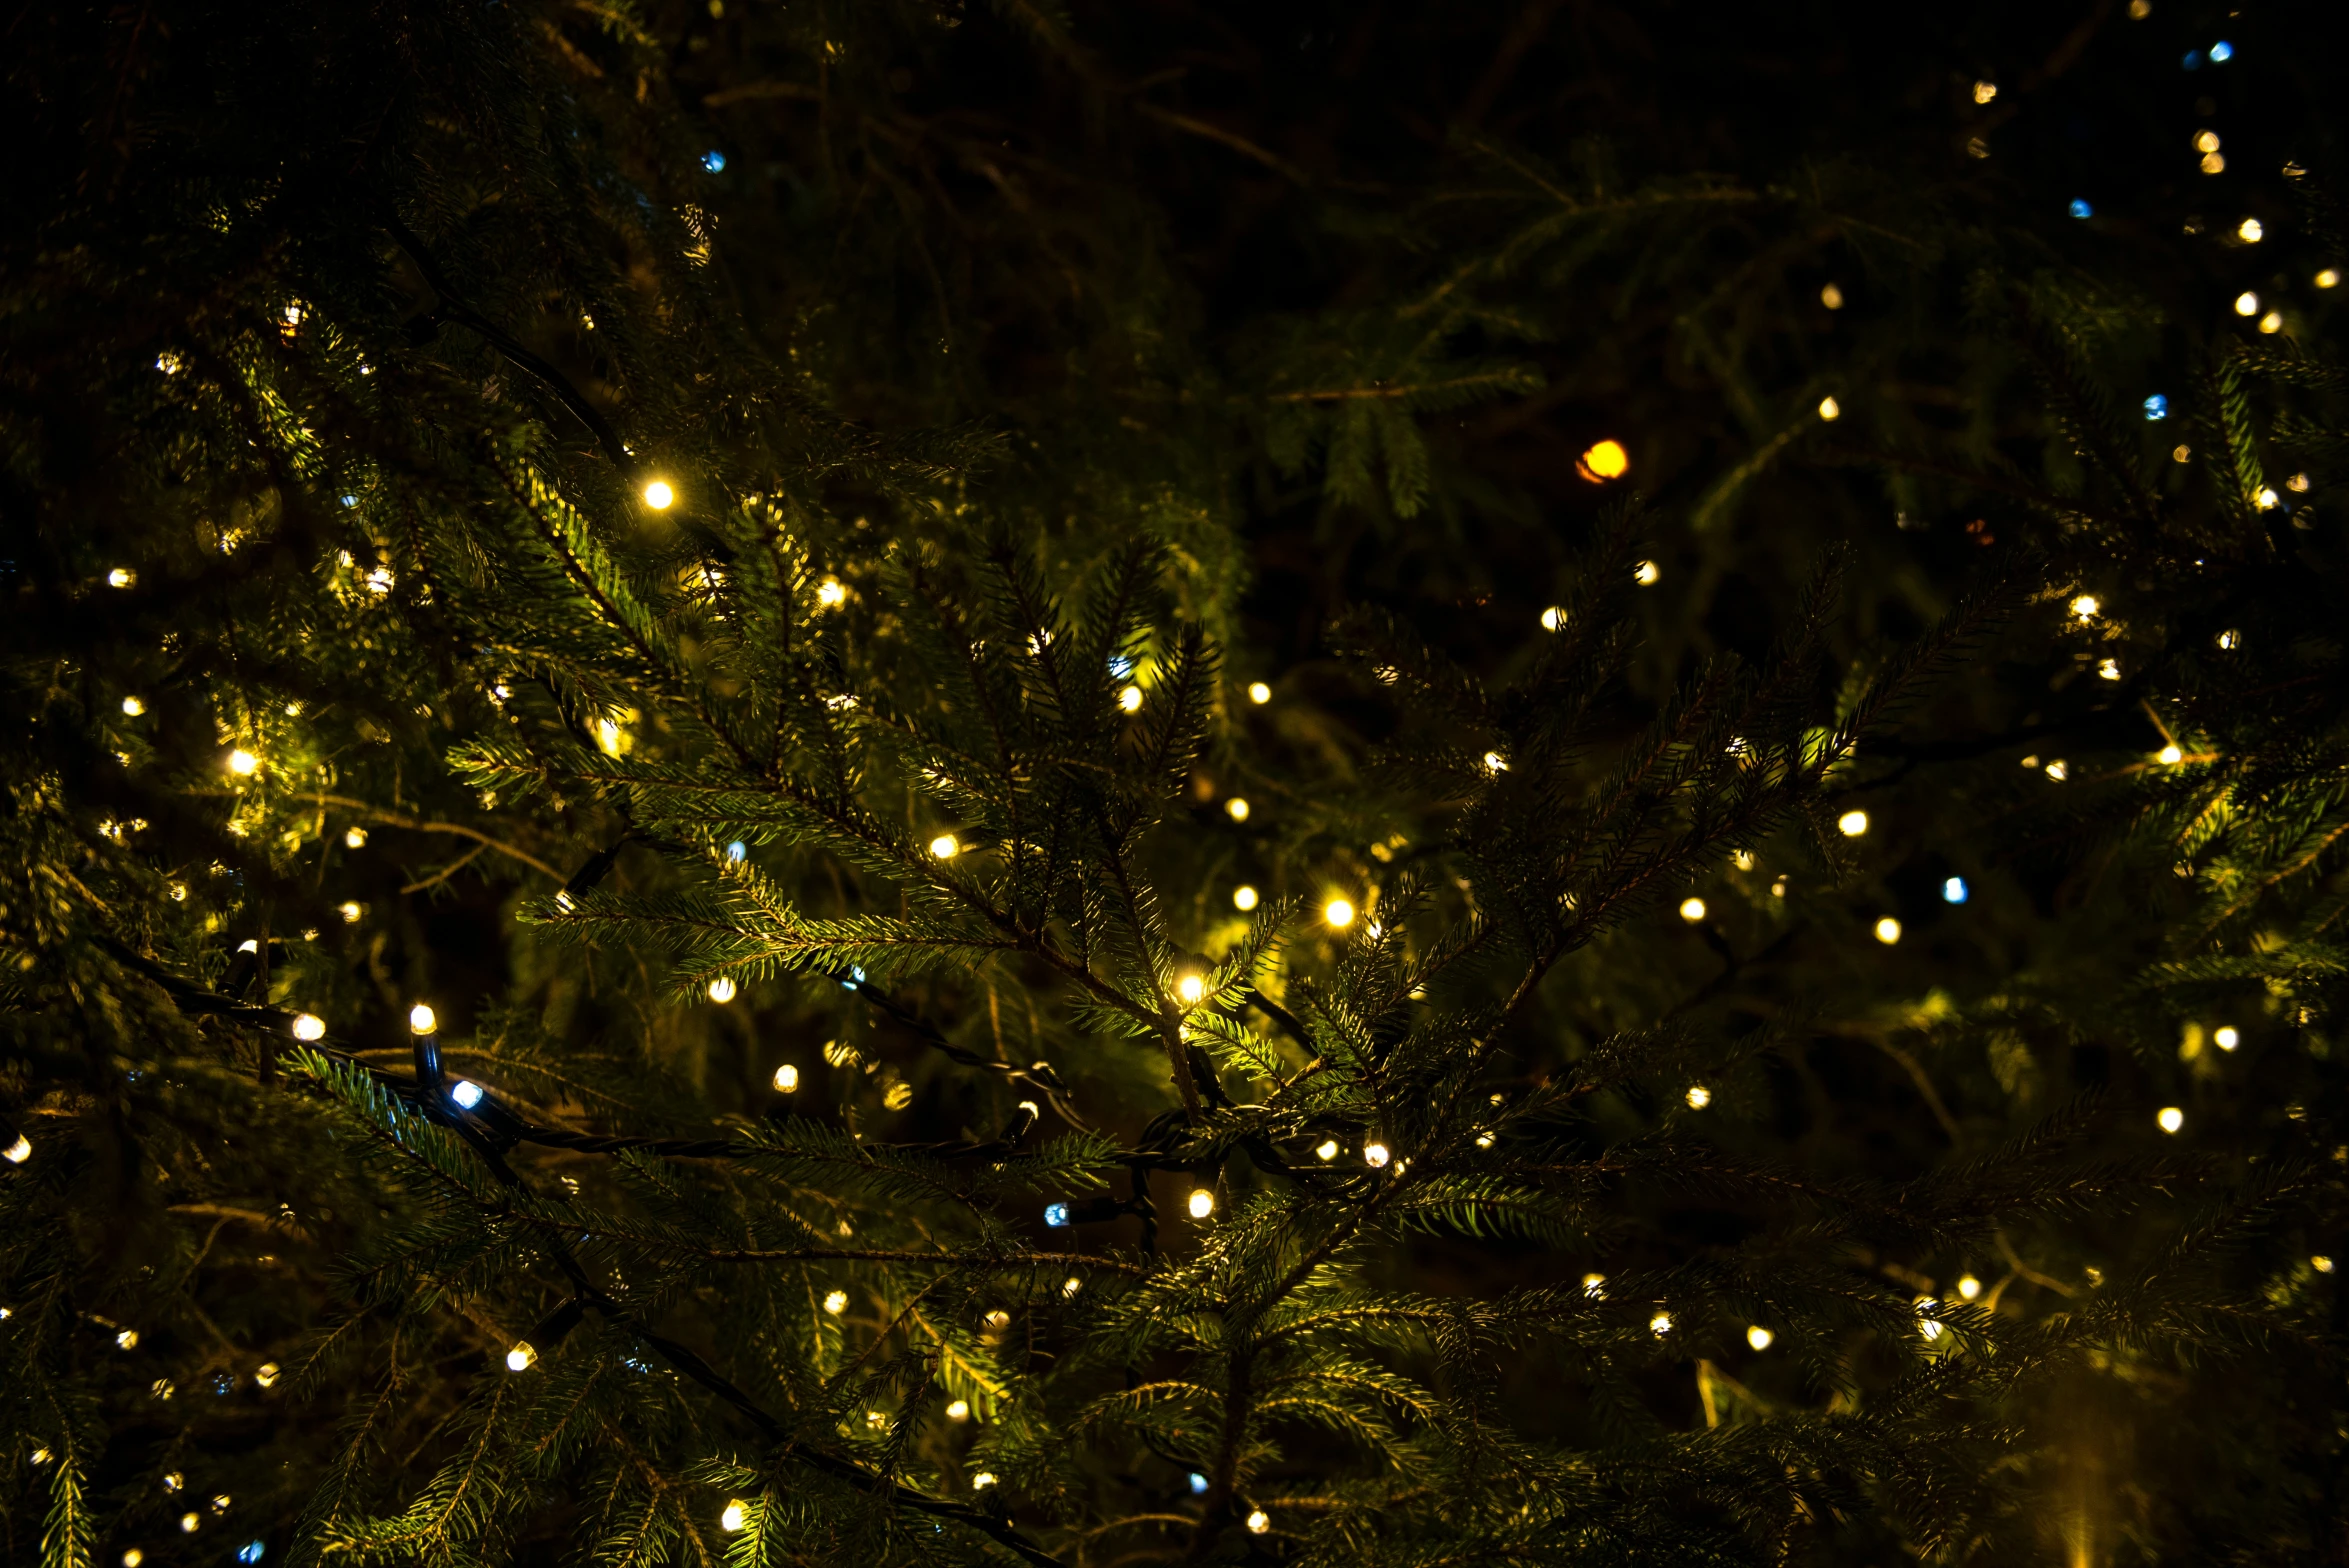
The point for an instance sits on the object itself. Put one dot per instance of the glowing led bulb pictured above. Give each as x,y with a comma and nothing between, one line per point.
2321,1263
1759,1337
422,1019
1985,91
734,1518
133,1557
2227,1038
1852,824
1259,1522
466,1093
1130,699
1699,1097
1968,1288
242,763
1202,1203
2086,606
831,594
2206,141
1831,297
1660,1324
2272,322
1553,618
355,838
1595,1286
787,1078
2109,670
836,1302
722,990
128,1339
309,1026
1338,912
1954,890
658,495
1888,930
1259,693
2171,755
1646,574
266,1374
1327,1150
1692,910
1190,988
350,913
2170,1118
945,846
2329,278
1244,898
1603,461
1375,1155
1494,762
121,577
983,1480
2247,304
1829,409
2249,231
190,1523
522,1357
1929,1327
960,1410
132,707
1236,808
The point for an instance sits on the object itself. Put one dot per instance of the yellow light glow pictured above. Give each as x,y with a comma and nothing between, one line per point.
309,1026
1494,762
1244,898
1236,808
2329,278
831,593
1259,1522
1604,461
1831,297
2249,231
2228,1038
1202,1203
2272,322
1646,574
1743,859
960,1410
522,1357
1829,409
1259,693
1338,912
1692,910
132,707
1699,1097
658,495
1660,1324
1328,1149
983,1480
2086,606
1888,930
787,1078
2321,1263
190,1523
2214,163
2171,755
1190,988
355,838
1985,91
945,846
2247,304
722,990
243,763
1376,1155
2170,1118
2206,141
121,577
1968,1288
266,1374
836,1302
1553,618
350,913
1595,1286
735,1516
1130,699
2108,670
1759,1337
1852,824
421,1019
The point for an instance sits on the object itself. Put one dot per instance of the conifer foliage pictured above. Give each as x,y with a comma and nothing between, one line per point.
858,866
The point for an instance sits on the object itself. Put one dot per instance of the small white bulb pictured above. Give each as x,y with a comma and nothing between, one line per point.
1259,1522
1692,910
2247,304
19,1151
266,1375
1699,1097
355,838
1646,573
1236,808
466,1093
2321,1263
1202,1203
1494,762
722,990
522,1357
945,846
1888,930
2170,755
190,1523
836,1302
1130,699
132,707
1244,898
1968,1288
787,1078
831,593
1338,912
983,1480
1829,409
2250,231
1595,1286
1376,1155
2086,606
1660,1324
960,1410
128,1339
1328,1149
350,913
133,1557
734,1518
421,1019
2170,1118
658,495
1259,693
2227,1038
1759,1337
243,763
1190,988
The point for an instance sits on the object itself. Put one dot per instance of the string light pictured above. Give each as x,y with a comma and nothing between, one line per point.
1056,1215
1985,91
1327,1150
960,1410
2080,208
421,1019
2247,304
1888,930
2109,670
658,495
734,1518
2229,640
132,707
1259,693
190,1523
1594,1286
355,838
1743,859
2059,770
1930,1327
1244,898
2227,1038
2170,1118
1553,618
2086,606
1338,912
836,1302
350,913
1259,1522
1236,808
722,990
1954,890
1202,1203
266,1375
1699,1097
18,1151
1646,573
243,763
1692,910
1759,1337
2329,278
133,1557
2321,1263
1852,823
945,846
2157,408
252,1551
1604,461
831,593
1071,1285
1660,1324
787,1078
128,1339
121,577
522,1357
1831,297
2272,322
1968,1287
2170,755
2181,453
983,1480
1830,410
1376,1155
1494,762
466,1093
1130,699
2249,231
1190,988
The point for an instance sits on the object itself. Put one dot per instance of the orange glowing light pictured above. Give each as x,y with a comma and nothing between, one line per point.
1603,462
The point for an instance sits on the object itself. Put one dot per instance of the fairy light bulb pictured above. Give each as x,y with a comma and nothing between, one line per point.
1852,824
1888,931
128,1339
722,990
960,1410
1595,1286
1338,912
355,838
1692,910
659,496
18,1151
350,913
1236,809
243,763
1968,1288
1553,618
1376,1155
1660,1325
1130,699
1647,574
1190,988
2227,1038
1603,461
190,1523
2171,755
2086,606
522,1357
1244,898
836,1302
983,1480
133,1557
1259,1522
1327,1150
422,1019
734,1517
1259,693
1832,297
1931,1328
945,846
1759,1337
1830,410
2321,1263
466,1093
831,593
2249,231
2170,1119
1202,1203
787,1078
266,1374
1955,891
1699,1097
132,707
2247,303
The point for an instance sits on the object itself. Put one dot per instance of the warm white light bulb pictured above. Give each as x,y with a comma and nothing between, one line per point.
2086,606
1759,1337
1553,618
1692,910
1259,693
1338,912
309,1026
1236,809
2321,1263
836,1302
350,913
522,1357
243,763
1829,409
960,1410
1852,824
787,1078
658,495
1259,1522
1888,930
266,1374
19,1151
2171,754
722,990
2170,1118
1647,574
2227,1038
1699,1097
1190,988
1202,1203
2247,304
1328,1149
1244,898
1375,1155
132,707
1494,762
1660,1324
831,593
945,846
2250,232
1968,1288
1130,699
422,1019
1595,1286
983,1480
734,1518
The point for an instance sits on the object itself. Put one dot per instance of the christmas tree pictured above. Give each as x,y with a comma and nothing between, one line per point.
1500,784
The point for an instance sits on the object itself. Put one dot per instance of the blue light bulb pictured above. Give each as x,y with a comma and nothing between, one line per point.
1954,891
2081,209
1056,1214
737,851
1198,1483
2157,407
252,1551
2221,52
714,161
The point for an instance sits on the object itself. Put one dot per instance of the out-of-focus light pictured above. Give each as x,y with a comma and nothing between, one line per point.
1190,988
2081,209
466,1093
1954,890
1759,1337
1829,409
243,763
2227,1038
1699,1097
1604,461
1338,912
787,1078
722,990
2247,303
1852,823
1888,930
2170,1118
2157,407
659,496
2171,755
309,1026
1202,1203
1244,898
1259,693
1236,808
1130,699
1692,910
945,846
